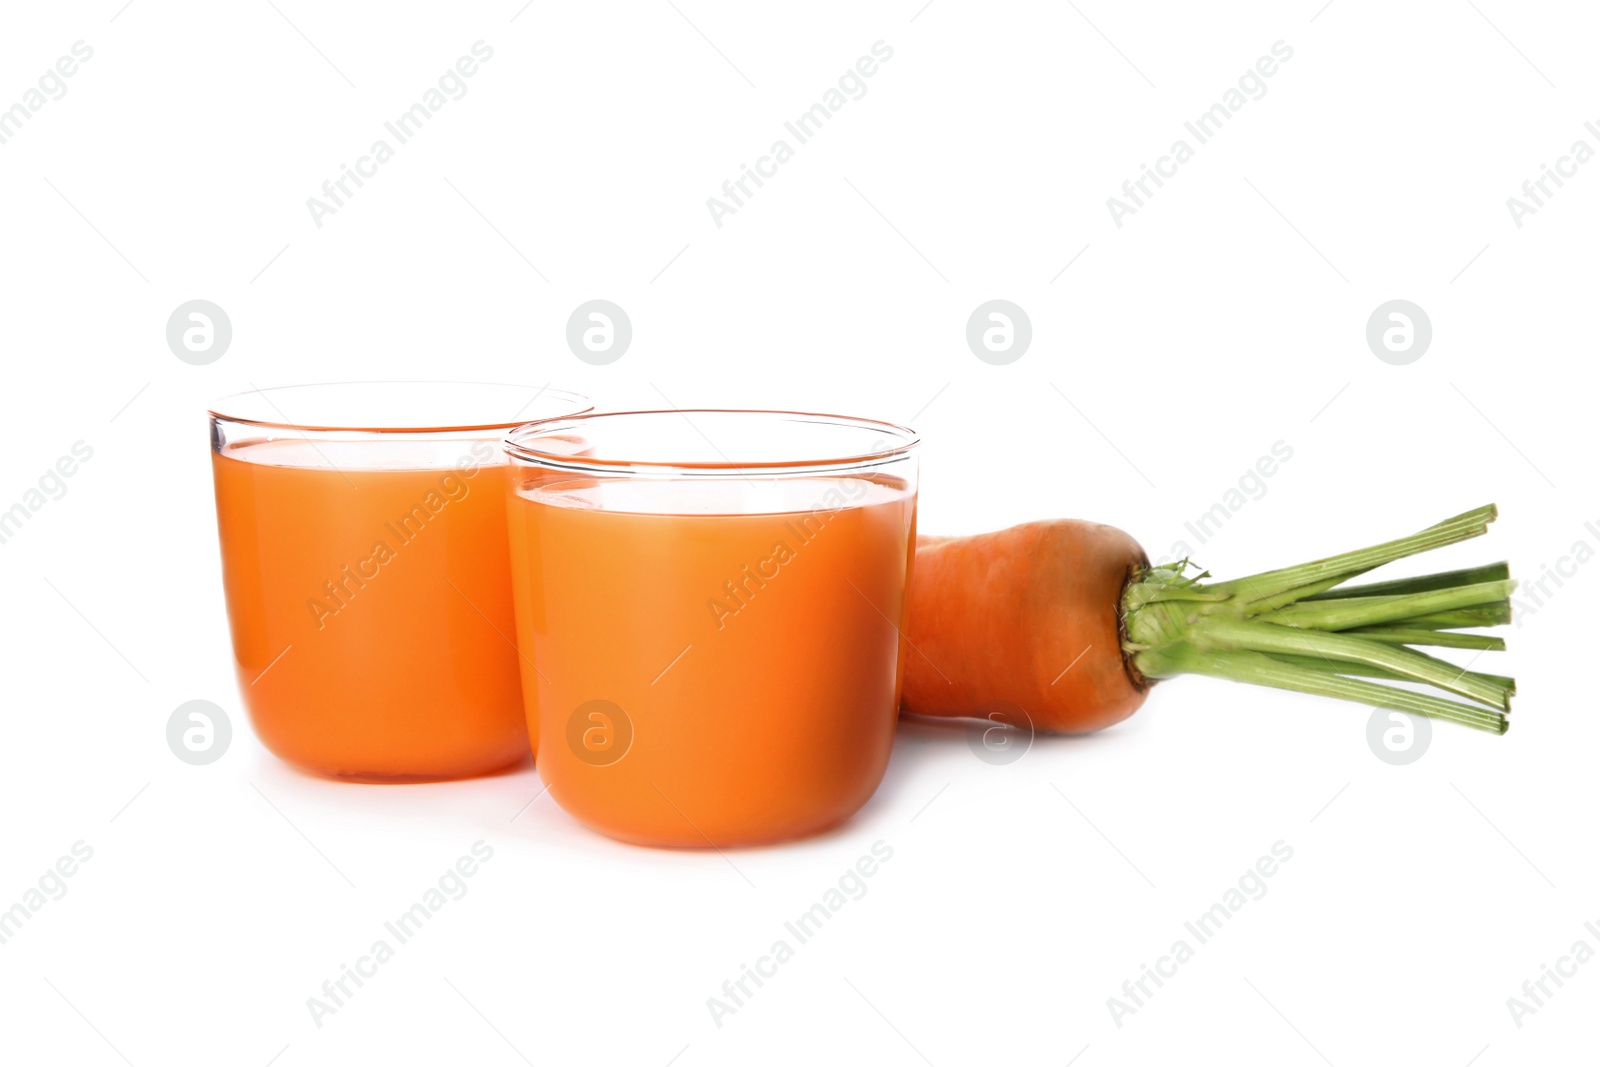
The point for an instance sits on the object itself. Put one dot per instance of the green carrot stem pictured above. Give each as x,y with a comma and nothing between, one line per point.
1259,669
1496,614
1459,528
1364,670
1373,611
1300,628
1262,604
1494,572
1415,666
1397,635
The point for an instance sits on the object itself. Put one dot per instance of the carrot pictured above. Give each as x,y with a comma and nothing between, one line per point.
1068,624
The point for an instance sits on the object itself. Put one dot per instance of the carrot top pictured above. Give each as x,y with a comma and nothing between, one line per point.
1302,628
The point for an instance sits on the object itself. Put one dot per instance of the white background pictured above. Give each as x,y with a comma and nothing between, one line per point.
1226,315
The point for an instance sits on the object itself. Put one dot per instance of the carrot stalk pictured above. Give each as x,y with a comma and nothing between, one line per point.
1373,610
1460,528
1258,669
1415,666
1364,670
1494,572
1295,628
1495,614
1396,635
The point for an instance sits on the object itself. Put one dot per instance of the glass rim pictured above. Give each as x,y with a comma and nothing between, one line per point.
218,408
517,445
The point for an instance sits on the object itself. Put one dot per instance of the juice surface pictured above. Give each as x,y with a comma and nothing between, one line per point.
365,605
711,678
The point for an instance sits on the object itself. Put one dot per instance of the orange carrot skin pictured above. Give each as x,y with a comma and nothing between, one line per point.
1024,618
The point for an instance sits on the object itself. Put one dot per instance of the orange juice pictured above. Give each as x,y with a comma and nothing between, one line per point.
717,665
370,603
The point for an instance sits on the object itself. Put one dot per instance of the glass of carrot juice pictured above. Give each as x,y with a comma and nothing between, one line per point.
364,559
711,603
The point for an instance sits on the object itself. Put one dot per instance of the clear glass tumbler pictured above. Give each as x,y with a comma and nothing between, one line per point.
364,558
711,603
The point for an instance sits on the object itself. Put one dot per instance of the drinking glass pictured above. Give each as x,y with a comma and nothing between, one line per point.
712,604
364,559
